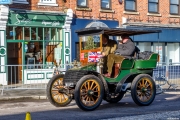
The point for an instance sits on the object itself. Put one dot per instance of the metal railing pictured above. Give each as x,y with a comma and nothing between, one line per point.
34,76
167,75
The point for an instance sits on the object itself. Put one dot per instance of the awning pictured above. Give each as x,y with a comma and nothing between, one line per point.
115,31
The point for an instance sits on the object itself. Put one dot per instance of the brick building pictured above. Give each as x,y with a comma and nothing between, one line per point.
44,30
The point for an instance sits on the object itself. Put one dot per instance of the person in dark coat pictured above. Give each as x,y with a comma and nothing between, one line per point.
125,48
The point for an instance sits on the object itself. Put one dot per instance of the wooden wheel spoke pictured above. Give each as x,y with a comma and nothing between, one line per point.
88,85
54,90
146,82
84,85
54,94
96,91
92,99
87,98
147,85
139,86
63,96
96,86
60,97
92,85
96,96
143,82
55,86
139,93
82,94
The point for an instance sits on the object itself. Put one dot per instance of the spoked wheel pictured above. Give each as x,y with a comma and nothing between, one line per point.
143,90
89,92
56,93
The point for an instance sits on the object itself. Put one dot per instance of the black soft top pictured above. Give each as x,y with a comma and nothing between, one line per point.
115,31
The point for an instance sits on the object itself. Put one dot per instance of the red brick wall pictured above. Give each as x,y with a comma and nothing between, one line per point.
94,5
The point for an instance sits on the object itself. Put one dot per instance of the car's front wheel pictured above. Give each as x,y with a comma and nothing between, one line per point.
57,94
89,92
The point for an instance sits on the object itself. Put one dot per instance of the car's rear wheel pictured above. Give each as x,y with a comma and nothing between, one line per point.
143,89
57,94
89,92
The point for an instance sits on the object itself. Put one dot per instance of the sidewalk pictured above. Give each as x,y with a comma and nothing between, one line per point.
23,94
14,94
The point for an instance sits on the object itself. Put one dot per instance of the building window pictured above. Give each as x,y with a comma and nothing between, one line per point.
153,6
41,43
130,5
174,6
48,2
21,1
82,3
105,4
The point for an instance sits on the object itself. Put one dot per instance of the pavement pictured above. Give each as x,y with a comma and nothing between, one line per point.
15,94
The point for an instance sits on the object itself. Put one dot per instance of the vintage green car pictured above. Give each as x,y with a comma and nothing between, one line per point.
85,81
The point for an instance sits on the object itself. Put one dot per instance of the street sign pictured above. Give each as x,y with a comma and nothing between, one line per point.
5,2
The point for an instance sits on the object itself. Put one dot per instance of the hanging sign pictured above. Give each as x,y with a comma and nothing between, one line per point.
2,2
33,19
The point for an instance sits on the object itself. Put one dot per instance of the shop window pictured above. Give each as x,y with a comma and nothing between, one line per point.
173,50
174,6
160,49
21,1
42,44
144,46
130,5
106,4
48,2
82,3
153,6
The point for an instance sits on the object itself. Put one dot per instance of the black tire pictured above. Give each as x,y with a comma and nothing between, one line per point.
143,90
89,92
117,98
55,97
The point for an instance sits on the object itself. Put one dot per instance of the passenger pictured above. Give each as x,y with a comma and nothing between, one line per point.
125,48
108,47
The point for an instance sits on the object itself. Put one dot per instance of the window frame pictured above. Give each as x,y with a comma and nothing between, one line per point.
157,3
135,5
178,6
80,6
110,5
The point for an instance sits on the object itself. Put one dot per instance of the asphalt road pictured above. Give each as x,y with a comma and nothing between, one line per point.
125,109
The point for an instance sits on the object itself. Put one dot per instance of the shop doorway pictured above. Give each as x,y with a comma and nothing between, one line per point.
14,58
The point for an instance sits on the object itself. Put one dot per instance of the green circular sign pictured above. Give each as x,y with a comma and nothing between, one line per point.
67,51
2,51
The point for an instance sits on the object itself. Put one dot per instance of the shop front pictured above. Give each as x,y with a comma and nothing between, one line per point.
35,40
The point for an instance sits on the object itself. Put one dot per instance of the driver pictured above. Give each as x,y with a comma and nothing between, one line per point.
125,48
108,47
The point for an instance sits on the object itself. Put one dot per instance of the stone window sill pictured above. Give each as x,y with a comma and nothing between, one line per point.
174,16
83,9
154,14
48,4
106,11
132,13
